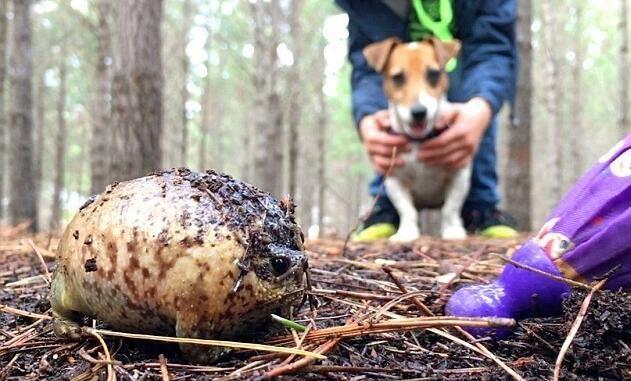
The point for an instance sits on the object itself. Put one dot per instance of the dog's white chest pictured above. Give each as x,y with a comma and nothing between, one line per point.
416,186
428,186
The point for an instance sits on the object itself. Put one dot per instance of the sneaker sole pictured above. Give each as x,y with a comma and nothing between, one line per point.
499,231
375,232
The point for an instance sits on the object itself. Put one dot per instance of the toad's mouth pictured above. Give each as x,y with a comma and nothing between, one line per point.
284,299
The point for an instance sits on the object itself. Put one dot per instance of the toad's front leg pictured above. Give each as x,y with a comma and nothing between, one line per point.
64,317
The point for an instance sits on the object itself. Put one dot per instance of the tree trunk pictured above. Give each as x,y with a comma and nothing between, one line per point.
22,205
100,142
83,176
3,71
60,145
217,133
576,113
186,17
211,106
518,166
260,84
268,163
40,121
623,68
137,90
552,99
247,168
295,100
210,103
202,156
321,149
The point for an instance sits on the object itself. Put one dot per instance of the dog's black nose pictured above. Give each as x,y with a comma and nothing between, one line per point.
419,112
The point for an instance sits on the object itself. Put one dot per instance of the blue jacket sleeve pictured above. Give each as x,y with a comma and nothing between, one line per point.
369,21
488,57
487,63
366,84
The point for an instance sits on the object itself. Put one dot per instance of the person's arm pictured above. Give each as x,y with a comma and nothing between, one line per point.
371,21
487,79
489,54
368,21
366,84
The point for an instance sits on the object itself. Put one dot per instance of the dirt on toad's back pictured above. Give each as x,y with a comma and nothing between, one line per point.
224,201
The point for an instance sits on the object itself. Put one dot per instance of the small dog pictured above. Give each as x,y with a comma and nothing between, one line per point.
415,83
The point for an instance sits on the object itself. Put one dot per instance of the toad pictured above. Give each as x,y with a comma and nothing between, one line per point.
195,254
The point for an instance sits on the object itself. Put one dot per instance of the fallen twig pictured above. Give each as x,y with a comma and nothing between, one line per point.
15,311
193,368
163,368
551,276
399,325
397,300
426,311
484,351
41,259
4,373
373,205
216,343
305,361
353,294
27,281
574,329
111,376
443,289
345,369
87,357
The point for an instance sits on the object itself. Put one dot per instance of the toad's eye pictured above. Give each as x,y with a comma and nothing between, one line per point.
433,76
280,265
398,78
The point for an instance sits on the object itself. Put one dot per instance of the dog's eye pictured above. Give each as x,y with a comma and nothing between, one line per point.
280,265
433,76
398,79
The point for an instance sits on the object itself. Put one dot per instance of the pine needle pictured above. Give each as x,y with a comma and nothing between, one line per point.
110,370
575,326
288,323
216,343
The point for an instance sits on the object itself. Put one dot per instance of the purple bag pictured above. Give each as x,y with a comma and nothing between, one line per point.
586,235
585,238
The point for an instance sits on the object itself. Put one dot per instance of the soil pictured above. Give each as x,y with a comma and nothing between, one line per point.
346,288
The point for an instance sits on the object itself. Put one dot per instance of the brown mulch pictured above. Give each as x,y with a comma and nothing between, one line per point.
376,287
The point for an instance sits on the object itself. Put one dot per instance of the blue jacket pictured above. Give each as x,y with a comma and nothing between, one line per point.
487,65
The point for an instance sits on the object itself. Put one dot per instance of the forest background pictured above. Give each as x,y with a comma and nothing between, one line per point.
260,90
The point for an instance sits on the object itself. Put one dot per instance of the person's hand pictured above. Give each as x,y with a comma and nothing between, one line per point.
379,144
456,147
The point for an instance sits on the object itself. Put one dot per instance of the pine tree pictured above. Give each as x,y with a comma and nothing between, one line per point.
22,202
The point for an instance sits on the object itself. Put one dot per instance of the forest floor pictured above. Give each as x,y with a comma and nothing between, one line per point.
370,299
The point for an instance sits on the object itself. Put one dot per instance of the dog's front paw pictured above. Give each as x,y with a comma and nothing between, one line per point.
406,235
453,232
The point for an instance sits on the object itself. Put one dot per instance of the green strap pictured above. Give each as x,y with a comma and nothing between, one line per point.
440,29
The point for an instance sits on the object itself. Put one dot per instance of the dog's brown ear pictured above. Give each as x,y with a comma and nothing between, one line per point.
445,50
377,54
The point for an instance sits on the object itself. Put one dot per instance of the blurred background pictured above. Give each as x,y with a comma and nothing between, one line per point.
96,91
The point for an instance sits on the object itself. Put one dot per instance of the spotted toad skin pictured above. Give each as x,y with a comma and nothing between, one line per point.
179,252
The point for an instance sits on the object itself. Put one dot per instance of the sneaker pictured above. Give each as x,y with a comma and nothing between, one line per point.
382,223
490,223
